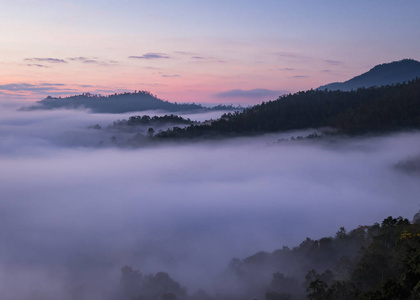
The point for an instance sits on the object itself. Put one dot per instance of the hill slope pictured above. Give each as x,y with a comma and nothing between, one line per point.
357,112
116,103
369,262
379,261
384,74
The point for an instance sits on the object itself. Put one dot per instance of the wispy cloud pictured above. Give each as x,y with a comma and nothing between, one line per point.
184,53
254,93
203,59
47,59
108,91
151,56
37,65
197,58
286,69
301,76
293,55
301,58
333,62
152,84
80,58
175,75
21,89
15,87
93,60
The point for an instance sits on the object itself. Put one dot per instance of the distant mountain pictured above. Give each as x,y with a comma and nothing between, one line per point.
116,103
384,74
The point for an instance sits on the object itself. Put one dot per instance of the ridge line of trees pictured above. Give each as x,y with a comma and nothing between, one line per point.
365,110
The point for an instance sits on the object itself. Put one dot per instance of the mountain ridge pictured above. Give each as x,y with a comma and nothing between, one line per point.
380,75
118,103
374,110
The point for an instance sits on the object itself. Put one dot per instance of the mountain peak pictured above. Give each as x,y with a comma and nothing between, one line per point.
379,75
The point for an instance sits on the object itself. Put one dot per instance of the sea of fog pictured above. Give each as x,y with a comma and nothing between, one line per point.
71,214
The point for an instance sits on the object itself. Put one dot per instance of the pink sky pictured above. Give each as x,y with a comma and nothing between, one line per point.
193,51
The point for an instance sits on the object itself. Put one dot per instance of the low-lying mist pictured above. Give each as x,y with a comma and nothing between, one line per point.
71,216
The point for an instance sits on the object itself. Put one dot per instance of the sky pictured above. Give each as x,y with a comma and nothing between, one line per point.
197,51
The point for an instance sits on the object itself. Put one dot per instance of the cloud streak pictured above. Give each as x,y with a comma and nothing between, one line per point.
171,76
47,59
197,58
254,93
42,87
151,56
93,60
38,65
286,69
333,62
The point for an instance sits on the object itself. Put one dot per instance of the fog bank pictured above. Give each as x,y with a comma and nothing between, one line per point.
72,216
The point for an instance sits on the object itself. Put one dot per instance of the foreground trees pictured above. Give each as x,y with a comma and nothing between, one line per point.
389,268
136,286
376,262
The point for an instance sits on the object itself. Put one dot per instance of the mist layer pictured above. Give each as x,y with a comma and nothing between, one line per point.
72,216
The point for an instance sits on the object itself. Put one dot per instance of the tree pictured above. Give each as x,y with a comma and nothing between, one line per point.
283,284
317,290
150,132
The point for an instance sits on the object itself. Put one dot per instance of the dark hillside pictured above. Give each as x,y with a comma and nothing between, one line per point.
117,103
376,110
381,261
376,262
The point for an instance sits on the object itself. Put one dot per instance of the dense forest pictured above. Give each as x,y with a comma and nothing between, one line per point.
145,120
376,262
366,110
136,130
119,103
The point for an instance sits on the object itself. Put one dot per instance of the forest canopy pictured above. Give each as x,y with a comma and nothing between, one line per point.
376,262
366,110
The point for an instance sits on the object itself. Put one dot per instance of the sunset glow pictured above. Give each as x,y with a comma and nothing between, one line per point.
197,51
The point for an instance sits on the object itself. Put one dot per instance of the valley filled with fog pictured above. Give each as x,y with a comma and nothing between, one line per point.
73,213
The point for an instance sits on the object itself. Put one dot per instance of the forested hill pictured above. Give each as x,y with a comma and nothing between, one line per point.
376,110
116,103
376,262
384,74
